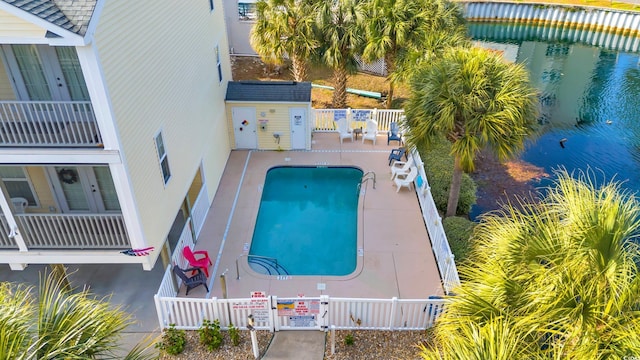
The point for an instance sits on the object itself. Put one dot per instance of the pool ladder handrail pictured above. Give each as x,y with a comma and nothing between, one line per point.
254,256
367,176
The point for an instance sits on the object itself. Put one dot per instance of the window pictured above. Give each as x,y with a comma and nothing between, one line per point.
218,64
17,184
162,156
211,7
246,11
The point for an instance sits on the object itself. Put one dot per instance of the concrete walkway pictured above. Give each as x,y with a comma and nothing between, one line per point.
302,345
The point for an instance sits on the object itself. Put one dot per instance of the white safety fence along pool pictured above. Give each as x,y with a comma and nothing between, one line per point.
301,313
319,313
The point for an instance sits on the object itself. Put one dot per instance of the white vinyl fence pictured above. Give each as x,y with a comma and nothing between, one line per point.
439,243
324,119
301,313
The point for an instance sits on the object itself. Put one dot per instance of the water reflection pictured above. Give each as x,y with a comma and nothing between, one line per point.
589,96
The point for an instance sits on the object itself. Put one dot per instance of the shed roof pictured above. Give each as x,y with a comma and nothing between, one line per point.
71,15
280,91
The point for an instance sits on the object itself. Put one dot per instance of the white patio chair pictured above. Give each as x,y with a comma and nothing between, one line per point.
343,130
403,180
371,132
401,167
19,204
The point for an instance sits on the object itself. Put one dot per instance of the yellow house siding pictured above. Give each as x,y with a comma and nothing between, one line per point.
13,26
41,186
278,121
158,61
6,91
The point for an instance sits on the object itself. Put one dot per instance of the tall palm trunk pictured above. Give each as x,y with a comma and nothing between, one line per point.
454,192
298,68
391,65
339,100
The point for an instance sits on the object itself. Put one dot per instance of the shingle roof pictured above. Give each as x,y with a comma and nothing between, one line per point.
282,91
72,15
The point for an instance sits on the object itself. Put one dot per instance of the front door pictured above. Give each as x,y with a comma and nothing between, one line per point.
298,128
84,189
244,127
45,73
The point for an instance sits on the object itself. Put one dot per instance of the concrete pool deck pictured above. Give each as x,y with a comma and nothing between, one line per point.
396,261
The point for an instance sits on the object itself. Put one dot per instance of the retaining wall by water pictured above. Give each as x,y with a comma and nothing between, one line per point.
601,27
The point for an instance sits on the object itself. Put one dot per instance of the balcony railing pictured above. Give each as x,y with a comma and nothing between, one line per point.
68,231
48,124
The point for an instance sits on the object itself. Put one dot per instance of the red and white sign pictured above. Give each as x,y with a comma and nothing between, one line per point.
258,294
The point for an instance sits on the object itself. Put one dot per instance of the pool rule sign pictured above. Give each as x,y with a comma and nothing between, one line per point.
259,306
301,312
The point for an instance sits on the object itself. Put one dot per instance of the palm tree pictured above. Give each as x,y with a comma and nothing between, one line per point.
342,40
476,100
554,279
394,27
60,324
285,28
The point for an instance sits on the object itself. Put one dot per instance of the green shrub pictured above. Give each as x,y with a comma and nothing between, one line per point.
438,164
173,340
210,335
348,339
459,231
234,334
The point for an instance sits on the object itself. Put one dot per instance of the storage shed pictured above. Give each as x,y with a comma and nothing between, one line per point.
269,115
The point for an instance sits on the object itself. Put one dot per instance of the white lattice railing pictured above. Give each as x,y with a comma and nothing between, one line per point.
377,67
439,243
338,313
72,231
324,119
200,209
48,123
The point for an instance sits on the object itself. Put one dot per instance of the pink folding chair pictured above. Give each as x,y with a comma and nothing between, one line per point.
202,263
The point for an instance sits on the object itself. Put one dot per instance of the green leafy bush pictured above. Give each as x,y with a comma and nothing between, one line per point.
173,340
438,164
234,334
210,334
348,339
459,231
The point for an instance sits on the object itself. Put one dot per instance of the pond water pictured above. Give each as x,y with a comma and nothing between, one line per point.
590,103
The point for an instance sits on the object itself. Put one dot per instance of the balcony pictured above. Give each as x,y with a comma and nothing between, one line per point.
67,231
48,124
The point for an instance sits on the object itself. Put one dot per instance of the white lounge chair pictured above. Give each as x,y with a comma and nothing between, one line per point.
343,130
403,180
371,132
401,167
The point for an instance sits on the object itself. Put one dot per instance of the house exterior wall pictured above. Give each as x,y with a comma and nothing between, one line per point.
42,189
6,91
13,26
278,120
238,30
159,66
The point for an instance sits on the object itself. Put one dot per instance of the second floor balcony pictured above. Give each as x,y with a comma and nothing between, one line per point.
48,124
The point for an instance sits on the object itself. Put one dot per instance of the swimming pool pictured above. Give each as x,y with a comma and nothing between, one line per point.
307,220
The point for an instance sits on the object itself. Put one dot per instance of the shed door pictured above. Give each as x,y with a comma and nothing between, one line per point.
244,127
298,127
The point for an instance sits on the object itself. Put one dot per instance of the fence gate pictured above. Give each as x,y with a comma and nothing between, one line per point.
300,313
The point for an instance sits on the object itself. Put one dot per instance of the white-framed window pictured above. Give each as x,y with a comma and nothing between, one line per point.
211,5
162,158
17,184
246,10
218,64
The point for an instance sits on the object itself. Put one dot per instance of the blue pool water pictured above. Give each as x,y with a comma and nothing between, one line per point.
307,220
589,96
